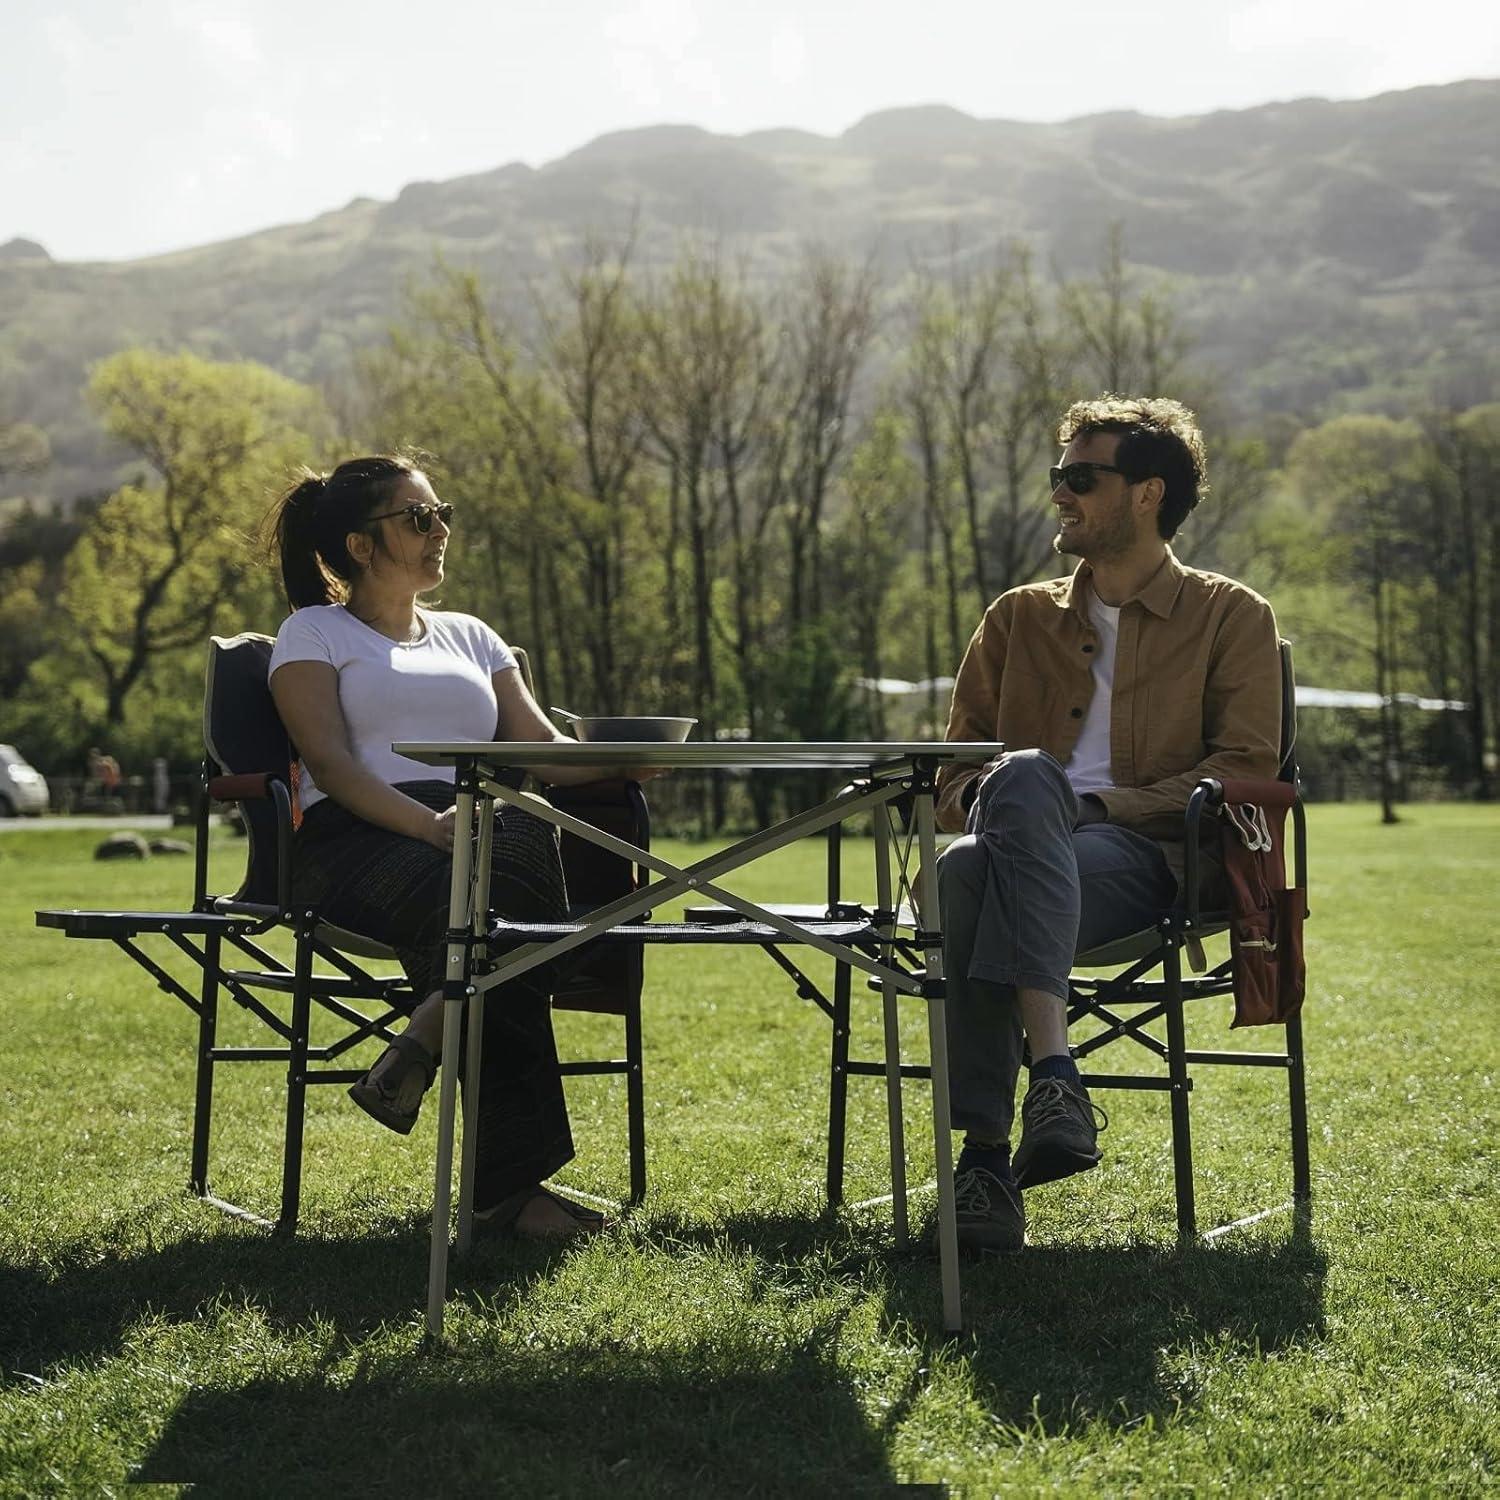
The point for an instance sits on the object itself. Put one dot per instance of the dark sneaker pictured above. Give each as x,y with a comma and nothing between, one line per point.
1060,1126
990,1215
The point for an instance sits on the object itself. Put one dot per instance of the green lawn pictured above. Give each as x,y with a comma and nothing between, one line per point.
732,1338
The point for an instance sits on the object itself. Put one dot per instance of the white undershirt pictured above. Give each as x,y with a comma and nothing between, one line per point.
1089,767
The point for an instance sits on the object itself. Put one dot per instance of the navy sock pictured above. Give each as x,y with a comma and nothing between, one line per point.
992,1159
1061,1066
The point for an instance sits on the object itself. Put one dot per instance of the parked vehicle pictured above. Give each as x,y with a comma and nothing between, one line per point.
23,789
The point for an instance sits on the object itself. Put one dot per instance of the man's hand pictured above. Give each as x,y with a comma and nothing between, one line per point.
1090,810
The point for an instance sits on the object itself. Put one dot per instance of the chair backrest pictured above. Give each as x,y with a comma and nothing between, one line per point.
1286,769
244,735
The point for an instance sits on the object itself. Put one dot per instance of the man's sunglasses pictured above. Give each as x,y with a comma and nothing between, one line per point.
1080,478
420,516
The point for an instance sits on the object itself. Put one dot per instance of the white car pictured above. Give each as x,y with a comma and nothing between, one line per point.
23,789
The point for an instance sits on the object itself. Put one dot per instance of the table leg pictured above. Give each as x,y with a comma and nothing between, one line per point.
455,983
937,1033
479,926
896,1122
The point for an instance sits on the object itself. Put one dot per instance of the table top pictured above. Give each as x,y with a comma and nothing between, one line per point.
741,755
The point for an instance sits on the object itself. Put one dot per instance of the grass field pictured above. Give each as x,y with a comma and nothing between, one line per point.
732,1338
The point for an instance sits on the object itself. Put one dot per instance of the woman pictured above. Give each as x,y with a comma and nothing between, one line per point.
356,666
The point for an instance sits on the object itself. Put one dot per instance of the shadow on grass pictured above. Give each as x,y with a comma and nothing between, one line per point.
1055,1339
492,1414
1061,1336
537,1423
83,1306
1066,1336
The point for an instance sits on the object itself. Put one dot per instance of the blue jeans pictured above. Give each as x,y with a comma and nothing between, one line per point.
1022,892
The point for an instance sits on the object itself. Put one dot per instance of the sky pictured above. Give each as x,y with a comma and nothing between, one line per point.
133,129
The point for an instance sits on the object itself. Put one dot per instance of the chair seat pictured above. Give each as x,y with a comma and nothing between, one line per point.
1124,950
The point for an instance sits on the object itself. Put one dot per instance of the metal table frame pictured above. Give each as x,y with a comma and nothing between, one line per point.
882,772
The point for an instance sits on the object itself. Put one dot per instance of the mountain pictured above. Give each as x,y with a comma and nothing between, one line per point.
1323,254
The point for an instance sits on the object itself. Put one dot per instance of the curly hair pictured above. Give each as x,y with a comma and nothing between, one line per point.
1159,439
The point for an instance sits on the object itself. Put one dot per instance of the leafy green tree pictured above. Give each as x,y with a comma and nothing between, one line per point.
24,449
164,559
1463,587
1127,339
873,535
1364,473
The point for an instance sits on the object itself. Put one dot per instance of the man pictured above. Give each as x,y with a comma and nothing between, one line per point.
1114,690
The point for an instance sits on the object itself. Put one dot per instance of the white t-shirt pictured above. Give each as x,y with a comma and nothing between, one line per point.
435,688
1088,767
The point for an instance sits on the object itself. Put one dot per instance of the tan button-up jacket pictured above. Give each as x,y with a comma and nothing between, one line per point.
1197,691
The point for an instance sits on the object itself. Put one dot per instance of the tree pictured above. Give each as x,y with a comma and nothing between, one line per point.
452,383
1464,489
161,560
556,425
828,324
1130,342
1362,472
981,390
872,536
24,449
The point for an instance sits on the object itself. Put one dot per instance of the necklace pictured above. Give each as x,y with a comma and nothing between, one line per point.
415,635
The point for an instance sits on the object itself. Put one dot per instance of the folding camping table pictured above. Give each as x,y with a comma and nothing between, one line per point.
878,773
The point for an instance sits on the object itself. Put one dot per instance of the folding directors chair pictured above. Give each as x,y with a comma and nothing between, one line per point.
250,762
1148,990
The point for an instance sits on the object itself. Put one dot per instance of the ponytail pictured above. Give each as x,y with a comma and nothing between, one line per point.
313,519
303,575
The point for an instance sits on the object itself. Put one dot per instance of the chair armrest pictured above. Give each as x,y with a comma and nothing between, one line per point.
1210,796
1257,791
252,787
258,786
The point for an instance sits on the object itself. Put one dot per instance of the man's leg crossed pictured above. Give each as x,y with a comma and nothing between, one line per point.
1021,891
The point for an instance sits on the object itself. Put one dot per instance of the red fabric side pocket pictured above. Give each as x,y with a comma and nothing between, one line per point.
1270,976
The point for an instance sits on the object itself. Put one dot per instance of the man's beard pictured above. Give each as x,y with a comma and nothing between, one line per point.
1107,537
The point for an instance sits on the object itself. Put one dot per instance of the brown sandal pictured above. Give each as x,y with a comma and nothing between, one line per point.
378,1100
500,1222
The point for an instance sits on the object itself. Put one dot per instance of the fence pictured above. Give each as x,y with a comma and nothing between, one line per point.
132,796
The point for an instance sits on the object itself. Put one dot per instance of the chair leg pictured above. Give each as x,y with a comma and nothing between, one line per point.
838,1085
1182,1138
635,1099
203,1103
1297,1088
296,1085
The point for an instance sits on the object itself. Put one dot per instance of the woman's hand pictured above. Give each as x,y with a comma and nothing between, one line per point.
439,833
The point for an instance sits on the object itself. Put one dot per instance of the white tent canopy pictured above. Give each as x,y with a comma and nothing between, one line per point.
1307,697
1316,697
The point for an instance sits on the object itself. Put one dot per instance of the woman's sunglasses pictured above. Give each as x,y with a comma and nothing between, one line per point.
1080,478
420,516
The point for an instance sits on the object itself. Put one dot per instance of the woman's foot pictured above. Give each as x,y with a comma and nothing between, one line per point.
537,1214
392,1090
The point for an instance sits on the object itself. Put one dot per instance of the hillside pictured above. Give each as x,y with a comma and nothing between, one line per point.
1325,254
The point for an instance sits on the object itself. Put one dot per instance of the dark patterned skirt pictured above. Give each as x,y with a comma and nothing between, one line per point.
394,889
